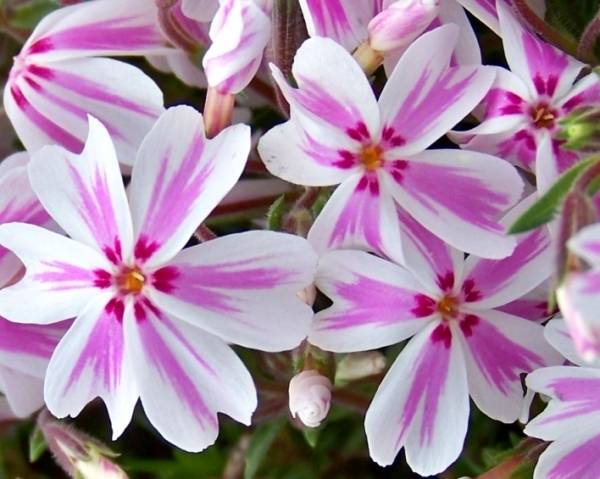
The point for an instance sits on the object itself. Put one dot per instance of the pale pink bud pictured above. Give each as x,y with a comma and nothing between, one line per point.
239,33
310,397
360,365
401,23
98,468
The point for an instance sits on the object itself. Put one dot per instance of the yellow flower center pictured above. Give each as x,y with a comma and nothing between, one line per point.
370,157
131,281
543,116
448,307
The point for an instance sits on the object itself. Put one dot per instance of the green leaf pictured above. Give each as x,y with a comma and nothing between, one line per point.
545,208
312,436
562,15
262,440
37,444
28,14
275,214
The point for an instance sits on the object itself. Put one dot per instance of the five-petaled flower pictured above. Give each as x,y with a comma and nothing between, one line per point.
339,133
462,343
152,321
521,113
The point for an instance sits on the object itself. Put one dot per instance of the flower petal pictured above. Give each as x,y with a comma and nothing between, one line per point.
375,303
410,408
360,214
49,104
18,203
482,186
574,400
185,377
200,10
101,28
84,193
557,334
337,114
493,283
94,360
484,10
178,178
573,456
242,288
344,21
545,69
424,97
533,306
62,276
586,244
24,393
498,349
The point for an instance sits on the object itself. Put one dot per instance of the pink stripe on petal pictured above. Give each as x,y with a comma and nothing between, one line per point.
32,340
172,373
581,462
62,276
578,395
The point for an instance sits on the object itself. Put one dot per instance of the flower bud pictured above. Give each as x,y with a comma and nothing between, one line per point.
359,365
310,397
580,130
401,23
239,33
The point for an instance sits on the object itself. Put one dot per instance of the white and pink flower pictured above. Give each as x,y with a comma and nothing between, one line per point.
522,111
154,322
462,343
58,77
340,133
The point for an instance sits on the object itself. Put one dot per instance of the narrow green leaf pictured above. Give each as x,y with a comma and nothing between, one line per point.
545,208
312,436
27,15
262,440
37,444
275,214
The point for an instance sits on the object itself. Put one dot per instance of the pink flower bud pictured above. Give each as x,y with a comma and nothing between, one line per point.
310,397
401,23
239,33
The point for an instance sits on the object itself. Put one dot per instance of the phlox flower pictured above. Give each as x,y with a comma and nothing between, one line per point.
570,421
152,321
461,343
339,132
521,113
25,349
57,78
579,298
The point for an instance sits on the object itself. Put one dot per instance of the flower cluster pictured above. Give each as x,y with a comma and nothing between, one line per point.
393,227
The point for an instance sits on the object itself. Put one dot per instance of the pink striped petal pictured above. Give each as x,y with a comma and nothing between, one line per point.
360,214
23,393
546,70
492,283
239,32
437,265
499,348
467,51
344,21
375,303
178,178
584,93
551,161
574,456
242,288
84,193
482,187
574,400
422,405
18,203
49,104
61,276
182,66
94,360
424,97
339,115
186,376
532,306
96,28
297,157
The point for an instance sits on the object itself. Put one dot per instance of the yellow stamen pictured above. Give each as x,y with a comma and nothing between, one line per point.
370,157
448,307
133,281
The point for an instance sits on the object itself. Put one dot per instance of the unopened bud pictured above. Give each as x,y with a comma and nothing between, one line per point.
401,23
310,397
359,365
580,130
